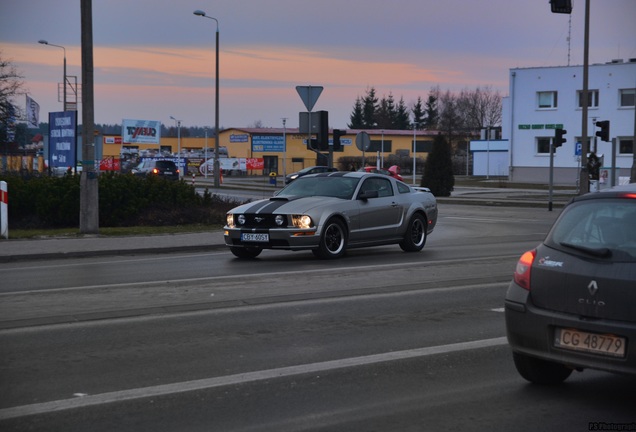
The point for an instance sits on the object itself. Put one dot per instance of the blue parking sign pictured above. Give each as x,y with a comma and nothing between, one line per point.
578,149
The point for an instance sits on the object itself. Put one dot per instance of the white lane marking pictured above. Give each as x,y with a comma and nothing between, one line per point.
241,378
498,310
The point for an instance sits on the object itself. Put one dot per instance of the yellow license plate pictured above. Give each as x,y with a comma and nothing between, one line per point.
577,340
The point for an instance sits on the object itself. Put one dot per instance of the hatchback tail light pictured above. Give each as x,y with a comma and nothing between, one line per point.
522,272
155,171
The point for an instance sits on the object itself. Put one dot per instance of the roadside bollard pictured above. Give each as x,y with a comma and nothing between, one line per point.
4,210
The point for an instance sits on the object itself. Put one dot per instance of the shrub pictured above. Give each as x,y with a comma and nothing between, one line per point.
124,200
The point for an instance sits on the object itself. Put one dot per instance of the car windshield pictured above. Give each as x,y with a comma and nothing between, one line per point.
604,229
337,187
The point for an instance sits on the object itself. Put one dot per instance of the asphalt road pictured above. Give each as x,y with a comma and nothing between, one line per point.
378,341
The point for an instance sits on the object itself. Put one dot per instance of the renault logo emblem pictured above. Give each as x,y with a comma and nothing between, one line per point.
592,287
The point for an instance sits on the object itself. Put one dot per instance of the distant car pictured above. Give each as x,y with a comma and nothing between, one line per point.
572,302
329,213
393,171
161,168
309,170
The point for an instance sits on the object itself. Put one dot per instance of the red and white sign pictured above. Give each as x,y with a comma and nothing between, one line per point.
110,164
255,163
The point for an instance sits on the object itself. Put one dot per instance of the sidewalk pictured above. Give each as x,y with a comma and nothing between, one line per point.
96,245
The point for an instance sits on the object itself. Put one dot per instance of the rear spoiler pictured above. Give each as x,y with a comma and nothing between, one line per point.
421,189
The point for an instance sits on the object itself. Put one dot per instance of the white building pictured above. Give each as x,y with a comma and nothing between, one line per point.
546,98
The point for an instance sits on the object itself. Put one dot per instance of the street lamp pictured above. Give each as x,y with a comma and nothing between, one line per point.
178,122
217,167
44,42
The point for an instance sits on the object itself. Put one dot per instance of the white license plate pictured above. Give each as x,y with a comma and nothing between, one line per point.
249,237
578,340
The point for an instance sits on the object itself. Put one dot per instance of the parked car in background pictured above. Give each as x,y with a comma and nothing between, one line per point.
309,170
329,213
393,171
153,167
572,302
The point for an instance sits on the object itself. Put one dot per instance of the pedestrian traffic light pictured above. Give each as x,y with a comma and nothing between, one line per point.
604,132
561,6
337,133
558,137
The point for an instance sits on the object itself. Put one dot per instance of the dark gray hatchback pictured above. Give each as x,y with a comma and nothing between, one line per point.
160,168
572,302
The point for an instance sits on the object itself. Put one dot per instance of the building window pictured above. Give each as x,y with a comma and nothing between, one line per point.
592,98
625,146
546,100
627,97
543,145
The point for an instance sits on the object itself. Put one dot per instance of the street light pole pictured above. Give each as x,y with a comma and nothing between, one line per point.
178,123
217,165
44,42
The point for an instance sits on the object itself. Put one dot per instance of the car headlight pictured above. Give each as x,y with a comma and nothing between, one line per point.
302,221
229,220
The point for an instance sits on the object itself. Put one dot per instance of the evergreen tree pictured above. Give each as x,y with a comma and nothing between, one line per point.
369,108
402,117
356,119
438,169
418,114
385,114
430,110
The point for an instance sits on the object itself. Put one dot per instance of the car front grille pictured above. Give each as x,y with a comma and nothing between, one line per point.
261,221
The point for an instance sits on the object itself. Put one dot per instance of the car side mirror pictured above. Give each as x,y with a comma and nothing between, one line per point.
365,195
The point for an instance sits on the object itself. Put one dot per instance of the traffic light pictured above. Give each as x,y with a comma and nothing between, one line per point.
561,6
337,133
558,137
323,131
593,166
604,132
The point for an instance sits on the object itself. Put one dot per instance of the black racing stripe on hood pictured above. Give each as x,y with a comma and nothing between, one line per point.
256,207
267,206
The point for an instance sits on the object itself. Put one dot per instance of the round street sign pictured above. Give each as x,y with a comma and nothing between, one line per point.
363,142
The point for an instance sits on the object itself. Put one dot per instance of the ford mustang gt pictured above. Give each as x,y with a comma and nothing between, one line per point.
329,213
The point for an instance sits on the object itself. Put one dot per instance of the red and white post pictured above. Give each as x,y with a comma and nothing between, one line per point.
4,210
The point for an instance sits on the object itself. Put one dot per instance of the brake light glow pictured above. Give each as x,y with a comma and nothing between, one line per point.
522,272
155,171
630,195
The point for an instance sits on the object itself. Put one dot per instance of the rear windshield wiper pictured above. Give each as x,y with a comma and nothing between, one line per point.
599,252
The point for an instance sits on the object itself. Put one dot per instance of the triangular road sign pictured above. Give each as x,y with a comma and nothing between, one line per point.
309,95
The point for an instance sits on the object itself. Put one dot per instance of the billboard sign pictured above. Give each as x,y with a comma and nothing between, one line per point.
268,143
63,139
141,131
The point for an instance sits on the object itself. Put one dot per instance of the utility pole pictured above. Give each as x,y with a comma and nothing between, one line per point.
584,180
89,198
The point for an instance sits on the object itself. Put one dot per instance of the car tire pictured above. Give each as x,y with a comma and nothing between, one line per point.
540,371
415,236
248,252
333,241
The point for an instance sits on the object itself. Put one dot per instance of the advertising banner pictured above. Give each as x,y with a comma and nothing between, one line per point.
268,143
63,139
141,131
32,113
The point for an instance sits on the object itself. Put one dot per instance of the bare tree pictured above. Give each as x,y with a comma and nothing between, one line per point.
11,85
480,108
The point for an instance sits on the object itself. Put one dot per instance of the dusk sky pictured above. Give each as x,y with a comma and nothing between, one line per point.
155,59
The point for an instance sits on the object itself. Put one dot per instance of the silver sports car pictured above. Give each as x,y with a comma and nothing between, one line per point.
329,213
